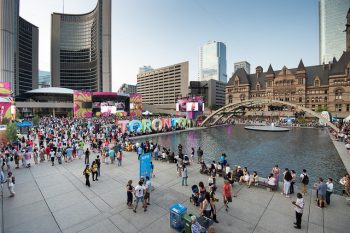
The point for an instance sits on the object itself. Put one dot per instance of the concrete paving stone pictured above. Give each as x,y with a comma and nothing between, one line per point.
257,196
313,228
261,230
58,189
160,225
75,214
245,211
88,223
336,221
40,224
316,215
100,204
277,222
19,215
102,227
123,224
47,181
168,197
64,200
22,199
229,224
114,198
25,187
141,218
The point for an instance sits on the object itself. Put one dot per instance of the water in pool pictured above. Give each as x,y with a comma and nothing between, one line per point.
311,149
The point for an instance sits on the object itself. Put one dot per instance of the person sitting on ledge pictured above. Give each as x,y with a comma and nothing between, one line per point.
246,176
254,179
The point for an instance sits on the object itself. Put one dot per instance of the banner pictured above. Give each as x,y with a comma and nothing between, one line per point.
145,165
82,104
7,108
135,105
5,89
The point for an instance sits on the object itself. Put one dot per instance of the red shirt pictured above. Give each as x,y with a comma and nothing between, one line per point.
226,190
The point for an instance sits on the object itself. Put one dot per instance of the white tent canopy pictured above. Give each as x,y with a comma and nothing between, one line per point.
347,119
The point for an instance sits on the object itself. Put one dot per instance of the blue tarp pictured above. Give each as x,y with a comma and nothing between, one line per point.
25,124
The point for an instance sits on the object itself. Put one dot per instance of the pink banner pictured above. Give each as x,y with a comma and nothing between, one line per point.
5,89
82,104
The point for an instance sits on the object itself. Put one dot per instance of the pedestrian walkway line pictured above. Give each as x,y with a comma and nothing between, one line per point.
256,225
59,227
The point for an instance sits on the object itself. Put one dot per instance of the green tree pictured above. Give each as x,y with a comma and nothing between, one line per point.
36,120
18,115
5,121
11,132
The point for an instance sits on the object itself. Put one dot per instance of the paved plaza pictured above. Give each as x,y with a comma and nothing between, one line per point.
55,199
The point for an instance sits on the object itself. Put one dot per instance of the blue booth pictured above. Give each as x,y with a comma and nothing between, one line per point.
177,211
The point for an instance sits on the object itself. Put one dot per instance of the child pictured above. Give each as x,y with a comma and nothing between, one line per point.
152,170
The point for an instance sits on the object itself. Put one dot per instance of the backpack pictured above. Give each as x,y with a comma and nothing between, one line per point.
305,180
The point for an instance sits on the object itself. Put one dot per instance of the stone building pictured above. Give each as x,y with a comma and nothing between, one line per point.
320,87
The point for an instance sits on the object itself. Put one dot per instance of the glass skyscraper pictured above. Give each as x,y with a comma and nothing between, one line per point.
18,49
332,20
81,49
212,61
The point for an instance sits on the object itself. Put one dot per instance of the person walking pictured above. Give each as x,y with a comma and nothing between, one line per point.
94,171
120,157
148,187
129,192
298,207
329,190
304,180
192,155
139,195
86,173
111,154
152,170
11,184
199,154
184,175
98,162
87,155
156,152
52,156
226,193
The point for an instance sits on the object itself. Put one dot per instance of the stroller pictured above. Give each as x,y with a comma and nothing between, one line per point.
204,169
195,195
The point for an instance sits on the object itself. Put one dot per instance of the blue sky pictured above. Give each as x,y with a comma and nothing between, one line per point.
165,32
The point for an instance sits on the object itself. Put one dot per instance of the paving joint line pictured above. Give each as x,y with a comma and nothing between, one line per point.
54,218
256,225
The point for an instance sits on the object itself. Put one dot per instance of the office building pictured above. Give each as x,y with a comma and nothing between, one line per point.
331,28
44,79
163,85
18,49
212,61
81,49
144,69
127,89
319,87
212,91
28,50
242,64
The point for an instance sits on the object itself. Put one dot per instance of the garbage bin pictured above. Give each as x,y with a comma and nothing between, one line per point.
177,211
188,223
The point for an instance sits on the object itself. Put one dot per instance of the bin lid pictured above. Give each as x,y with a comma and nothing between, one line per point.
178,208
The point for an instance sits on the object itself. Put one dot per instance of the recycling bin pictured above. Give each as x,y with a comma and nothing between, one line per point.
188,223
177,211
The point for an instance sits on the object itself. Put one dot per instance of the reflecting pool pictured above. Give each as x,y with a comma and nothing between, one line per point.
311,149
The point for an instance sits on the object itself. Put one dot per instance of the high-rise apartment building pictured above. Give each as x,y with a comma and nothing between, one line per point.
331,22
163,85
81,49
212,62
127,89
18,49
242,64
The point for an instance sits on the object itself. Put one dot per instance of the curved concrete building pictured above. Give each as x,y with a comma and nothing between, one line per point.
81,49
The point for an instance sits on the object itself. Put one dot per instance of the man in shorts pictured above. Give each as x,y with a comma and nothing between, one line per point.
139,196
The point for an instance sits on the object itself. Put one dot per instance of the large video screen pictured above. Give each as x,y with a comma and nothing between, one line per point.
190,104
107,103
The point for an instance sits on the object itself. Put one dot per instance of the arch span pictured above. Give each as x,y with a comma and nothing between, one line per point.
256,102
